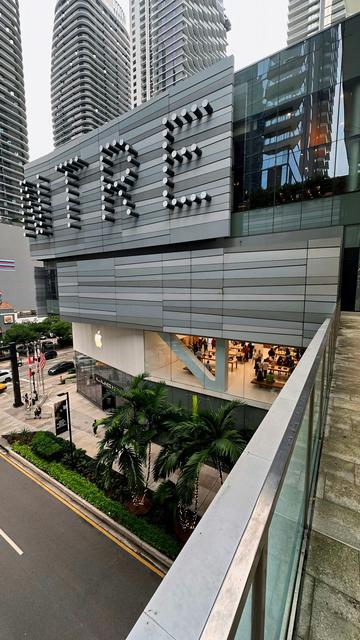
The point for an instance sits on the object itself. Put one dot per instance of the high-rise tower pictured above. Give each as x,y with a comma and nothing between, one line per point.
90,75
305,17
172,40
13,130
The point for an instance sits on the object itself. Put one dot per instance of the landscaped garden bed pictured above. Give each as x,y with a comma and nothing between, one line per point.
117,481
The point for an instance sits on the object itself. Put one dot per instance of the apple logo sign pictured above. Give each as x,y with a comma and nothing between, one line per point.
98,339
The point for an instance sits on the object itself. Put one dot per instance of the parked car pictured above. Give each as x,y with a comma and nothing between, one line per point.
47,345
5,376
84,361
4,356
3,388
49,355
61,367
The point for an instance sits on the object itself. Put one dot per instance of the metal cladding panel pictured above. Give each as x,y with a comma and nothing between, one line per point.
204,173
279,291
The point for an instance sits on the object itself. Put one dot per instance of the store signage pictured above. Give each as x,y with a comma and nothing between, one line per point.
61,417
8,319
98,340
118,188
107,384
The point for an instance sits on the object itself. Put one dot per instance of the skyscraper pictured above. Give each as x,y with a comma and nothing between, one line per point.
305,17
13,130
172,40
90,75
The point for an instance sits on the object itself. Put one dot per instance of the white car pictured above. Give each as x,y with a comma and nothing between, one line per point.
5,376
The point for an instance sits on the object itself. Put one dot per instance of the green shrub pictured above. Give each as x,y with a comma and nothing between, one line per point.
149,533
47,446
26,436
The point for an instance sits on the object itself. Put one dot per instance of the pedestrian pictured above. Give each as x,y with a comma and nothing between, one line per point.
37,412
26,399
36,396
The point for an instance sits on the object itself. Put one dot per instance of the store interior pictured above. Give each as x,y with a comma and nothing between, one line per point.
256,371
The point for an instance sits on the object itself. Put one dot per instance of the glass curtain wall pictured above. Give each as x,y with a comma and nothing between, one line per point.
297,135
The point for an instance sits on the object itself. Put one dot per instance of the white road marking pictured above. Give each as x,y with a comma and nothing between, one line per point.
11,542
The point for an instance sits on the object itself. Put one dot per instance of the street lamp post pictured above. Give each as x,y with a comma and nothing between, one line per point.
60,395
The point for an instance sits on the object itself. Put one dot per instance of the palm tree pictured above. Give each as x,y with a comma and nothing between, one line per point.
125,441
207,436
129,432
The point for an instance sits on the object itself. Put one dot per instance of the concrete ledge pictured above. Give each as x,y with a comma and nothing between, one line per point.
159,560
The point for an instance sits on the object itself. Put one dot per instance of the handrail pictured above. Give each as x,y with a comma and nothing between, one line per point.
204,593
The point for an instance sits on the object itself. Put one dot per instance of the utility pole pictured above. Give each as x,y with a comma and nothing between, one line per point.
15,376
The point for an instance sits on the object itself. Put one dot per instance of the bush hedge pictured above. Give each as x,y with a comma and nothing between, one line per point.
149,533
46,445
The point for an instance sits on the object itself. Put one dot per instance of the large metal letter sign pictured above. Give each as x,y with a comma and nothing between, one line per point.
174,157
112,189
71,170
36,207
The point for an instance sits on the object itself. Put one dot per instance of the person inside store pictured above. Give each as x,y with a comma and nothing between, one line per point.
251,350
198,353
208,366
287,351
259,373
246,352
213,343
265,366
271,353
288,361
280,361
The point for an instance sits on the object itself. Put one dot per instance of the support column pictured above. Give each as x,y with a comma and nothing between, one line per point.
222,364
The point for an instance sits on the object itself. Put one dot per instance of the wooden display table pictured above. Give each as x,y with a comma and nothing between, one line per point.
268,385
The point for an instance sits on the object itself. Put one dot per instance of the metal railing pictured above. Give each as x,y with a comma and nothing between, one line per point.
237,578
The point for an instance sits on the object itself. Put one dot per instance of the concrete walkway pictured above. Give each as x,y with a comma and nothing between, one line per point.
330,607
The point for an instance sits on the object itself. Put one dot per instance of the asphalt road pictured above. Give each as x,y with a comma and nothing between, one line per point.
71,582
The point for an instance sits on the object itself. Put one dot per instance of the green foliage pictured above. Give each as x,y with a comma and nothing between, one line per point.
148,532
21,333
46,445
29,332
167,498
207,436
25,436
130,431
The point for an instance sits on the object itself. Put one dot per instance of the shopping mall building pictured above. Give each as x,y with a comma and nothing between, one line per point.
227,207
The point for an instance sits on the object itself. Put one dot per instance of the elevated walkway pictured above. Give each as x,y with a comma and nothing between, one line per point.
330,605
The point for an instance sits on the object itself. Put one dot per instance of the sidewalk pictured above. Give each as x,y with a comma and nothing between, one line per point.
330,606
83,413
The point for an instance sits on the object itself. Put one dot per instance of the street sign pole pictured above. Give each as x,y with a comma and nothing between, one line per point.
69,425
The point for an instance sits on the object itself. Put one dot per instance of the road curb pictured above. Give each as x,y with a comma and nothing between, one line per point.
146,551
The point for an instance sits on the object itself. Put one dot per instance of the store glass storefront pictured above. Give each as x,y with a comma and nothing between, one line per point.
220,366
98,382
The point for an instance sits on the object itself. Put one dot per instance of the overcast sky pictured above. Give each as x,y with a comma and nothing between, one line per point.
258,29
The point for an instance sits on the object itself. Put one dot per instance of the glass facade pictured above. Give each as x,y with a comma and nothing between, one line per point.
297,135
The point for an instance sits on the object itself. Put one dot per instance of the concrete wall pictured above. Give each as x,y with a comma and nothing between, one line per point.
276,289
121,348
18,286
